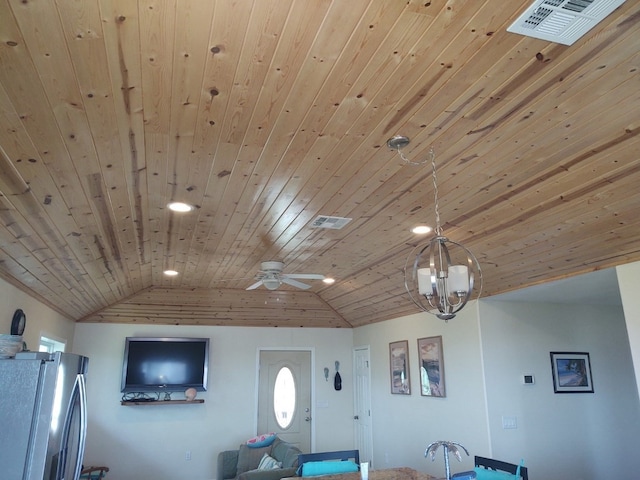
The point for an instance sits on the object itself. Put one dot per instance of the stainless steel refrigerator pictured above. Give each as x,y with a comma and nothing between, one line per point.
43,416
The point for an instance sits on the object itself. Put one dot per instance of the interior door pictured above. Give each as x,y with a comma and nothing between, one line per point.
362,403
284,396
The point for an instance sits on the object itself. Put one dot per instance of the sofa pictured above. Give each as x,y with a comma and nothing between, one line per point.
242,464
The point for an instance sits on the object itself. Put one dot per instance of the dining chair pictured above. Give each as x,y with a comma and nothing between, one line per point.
322,456
93,473
498,465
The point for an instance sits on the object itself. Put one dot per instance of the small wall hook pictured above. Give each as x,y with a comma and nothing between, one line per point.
326,374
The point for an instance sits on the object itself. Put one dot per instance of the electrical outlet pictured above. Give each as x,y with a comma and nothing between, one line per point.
187,455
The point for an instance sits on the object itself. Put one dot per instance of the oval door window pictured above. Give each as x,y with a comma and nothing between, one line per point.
284,397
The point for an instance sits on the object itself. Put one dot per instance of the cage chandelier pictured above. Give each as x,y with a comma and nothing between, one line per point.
439,276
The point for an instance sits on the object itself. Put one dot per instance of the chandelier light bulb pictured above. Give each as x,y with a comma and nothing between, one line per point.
424,281
458,283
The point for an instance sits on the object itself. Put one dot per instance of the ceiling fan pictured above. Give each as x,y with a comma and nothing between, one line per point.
271,277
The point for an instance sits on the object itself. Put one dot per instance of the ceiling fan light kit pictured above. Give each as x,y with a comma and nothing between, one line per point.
271,283
439,278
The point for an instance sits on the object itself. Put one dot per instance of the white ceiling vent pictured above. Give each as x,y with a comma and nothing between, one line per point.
562,21
335,223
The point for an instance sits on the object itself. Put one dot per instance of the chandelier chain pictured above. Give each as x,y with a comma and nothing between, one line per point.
411,162
406,160
435,191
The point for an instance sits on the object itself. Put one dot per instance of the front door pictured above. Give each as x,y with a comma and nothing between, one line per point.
284,396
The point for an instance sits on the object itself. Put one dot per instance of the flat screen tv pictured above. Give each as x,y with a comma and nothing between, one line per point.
165,364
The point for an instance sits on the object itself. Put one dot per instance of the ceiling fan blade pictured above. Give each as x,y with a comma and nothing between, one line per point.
232,279
294,283
306,276
255,285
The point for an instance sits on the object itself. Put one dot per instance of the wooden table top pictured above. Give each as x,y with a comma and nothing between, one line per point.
401,473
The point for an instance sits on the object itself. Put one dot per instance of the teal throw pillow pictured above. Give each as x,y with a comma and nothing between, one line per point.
311,469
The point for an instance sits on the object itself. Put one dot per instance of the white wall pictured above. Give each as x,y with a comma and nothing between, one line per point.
556,433
151,441
583,436
404,425
628,276
41,320
491,345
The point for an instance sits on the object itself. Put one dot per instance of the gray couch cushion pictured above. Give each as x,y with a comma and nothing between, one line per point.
285,452
249,458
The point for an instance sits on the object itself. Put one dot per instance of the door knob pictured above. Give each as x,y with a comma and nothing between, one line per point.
307,419
356,417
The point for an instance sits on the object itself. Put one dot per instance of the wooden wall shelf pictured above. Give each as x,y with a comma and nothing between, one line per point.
134,403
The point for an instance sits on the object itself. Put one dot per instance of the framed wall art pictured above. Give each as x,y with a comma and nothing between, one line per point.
571,372
399,365
431,360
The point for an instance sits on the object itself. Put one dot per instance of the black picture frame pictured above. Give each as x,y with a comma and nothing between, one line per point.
431,367
399,367
571,372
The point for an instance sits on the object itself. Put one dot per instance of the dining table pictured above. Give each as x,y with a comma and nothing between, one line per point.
399,473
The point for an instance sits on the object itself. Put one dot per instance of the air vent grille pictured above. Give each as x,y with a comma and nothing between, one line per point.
577,5
537,17
335,223
562,21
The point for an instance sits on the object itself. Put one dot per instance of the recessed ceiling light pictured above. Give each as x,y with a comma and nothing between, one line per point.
180,207
170,273
328,280
421,229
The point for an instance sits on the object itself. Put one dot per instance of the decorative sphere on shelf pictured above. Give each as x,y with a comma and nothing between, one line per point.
190,394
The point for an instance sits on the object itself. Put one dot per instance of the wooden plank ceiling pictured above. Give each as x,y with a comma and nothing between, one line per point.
267,113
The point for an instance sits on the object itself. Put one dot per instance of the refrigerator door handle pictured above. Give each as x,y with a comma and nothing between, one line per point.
82,390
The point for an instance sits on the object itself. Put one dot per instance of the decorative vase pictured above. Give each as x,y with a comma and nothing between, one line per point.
190,394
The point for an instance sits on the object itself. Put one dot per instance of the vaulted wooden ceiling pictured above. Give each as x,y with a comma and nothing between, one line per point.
267,113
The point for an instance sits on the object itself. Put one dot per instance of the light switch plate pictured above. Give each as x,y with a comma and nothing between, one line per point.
509,422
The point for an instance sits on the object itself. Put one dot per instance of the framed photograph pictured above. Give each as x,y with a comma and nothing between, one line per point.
399,363
431,367
571,372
